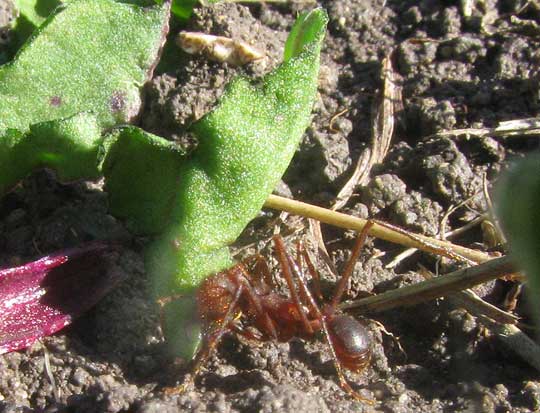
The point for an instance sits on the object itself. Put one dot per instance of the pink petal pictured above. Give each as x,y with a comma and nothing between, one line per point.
40,298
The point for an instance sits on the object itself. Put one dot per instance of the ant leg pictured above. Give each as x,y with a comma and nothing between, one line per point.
304,290
349,267
287,267
298,270
257,307
211,338
344,384
263,320
261,276
247,334
162,302
429,247
312,271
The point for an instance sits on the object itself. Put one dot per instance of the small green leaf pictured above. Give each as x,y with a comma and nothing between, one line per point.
245,145
181,9
518,205
36,11
91,55
306,29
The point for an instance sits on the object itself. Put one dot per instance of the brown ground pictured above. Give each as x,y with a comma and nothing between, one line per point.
476,71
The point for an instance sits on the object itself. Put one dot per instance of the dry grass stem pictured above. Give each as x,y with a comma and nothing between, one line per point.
475,305
362,165
383,121
433,288
380,230
334,118
498,234
48,371
516,340
507,129
501,324
382,129
442,226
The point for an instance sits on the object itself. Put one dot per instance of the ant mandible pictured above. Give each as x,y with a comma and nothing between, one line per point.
233,295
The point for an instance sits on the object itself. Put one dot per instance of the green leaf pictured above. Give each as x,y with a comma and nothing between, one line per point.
36,11
518,205
181,9
31,14
71,147
136,161
306,29
91,55
245,145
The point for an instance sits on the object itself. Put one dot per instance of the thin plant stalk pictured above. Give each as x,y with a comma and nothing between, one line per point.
383,231
434,287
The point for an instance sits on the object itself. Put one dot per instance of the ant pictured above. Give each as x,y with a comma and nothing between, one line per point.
234,299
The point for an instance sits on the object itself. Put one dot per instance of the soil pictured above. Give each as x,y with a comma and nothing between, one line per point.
478,67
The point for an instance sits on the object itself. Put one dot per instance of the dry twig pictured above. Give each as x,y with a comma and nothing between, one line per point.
386,232
434,288
382,129
507,129
475,305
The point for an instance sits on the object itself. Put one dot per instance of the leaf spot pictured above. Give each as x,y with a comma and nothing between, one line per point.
55,101
118,101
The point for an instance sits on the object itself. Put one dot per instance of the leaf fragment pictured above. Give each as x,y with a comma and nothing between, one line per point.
245,145
134,164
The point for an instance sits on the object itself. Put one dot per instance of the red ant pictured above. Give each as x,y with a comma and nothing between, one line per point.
233,295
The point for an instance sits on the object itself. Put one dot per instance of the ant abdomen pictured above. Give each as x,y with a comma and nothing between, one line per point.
351,341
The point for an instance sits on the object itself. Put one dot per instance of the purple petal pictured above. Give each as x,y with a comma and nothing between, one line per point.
43,296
